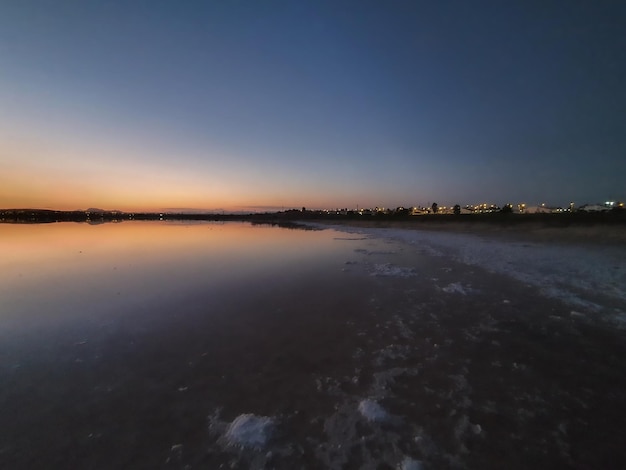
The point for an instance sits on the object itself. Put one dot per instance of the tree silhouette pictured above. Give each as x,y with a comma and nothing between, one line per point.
507,209
457,209
434,207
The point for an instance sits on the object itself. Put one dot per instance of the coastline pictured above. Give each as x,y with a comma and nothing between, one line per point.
389,348
579,234
587,228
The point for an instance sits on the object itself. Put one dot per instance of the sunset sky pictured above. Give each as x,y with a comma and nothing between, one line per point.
260,105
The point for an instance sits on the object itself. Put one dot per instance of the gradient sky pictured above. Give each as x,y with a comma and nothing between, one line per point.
233,105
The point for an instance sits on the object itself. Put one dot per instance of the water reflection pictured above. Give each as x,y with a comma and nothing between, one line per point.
140,345
50,273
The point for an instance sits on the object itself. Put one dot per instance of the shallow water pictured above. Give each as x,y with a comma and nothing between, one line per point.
156,345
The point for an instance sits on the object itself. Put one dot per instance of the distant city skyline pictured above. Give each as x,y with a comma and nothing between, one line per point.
240,105
412,209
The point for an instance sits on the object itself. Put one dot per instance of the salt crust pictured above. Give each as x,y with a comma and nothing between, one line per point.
410,464
578,275
248,430
372,411
455,288
389,269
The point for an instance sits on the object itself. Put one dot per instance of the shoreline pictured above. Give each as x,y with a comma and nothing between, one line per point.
596,234
404,349
578,228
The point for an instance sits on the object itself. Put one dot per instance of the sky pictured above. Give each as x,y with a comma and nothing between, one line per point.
263,105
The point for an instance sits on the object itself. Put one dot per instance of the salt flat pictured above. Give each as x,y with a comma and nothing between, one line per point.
354,348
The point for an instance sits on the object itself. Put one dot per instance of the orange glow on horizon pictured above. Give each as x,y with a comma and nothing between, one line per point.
68,174
72,185
141,195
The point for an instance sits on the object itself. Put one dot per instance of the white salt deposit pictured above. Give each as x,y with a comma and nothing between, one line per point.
248,430
455,288
389,269
372,411
410,464
578,275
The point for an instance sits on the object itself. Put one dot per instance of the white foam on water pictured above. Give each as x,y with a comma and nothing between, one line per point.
248,430
372,411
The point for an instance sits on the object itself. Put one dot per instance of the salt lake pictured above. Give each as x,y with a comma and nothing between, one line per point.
200,345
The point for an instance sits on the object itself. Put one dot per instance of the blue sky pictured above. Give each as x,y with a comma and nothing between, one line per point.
234,104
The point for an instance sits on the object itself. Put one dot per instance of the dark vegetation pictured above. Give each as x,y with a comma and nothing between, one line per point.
505,217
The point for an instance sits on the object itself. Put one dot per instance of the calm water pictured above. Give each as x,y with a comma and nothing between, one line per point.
54,273
157,345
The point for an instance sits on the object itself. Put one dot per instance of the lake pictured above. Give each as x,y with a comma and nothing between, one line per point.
200,345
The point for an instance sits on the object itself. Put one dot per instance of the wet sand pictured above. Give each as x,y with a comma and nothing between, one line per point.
397,359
